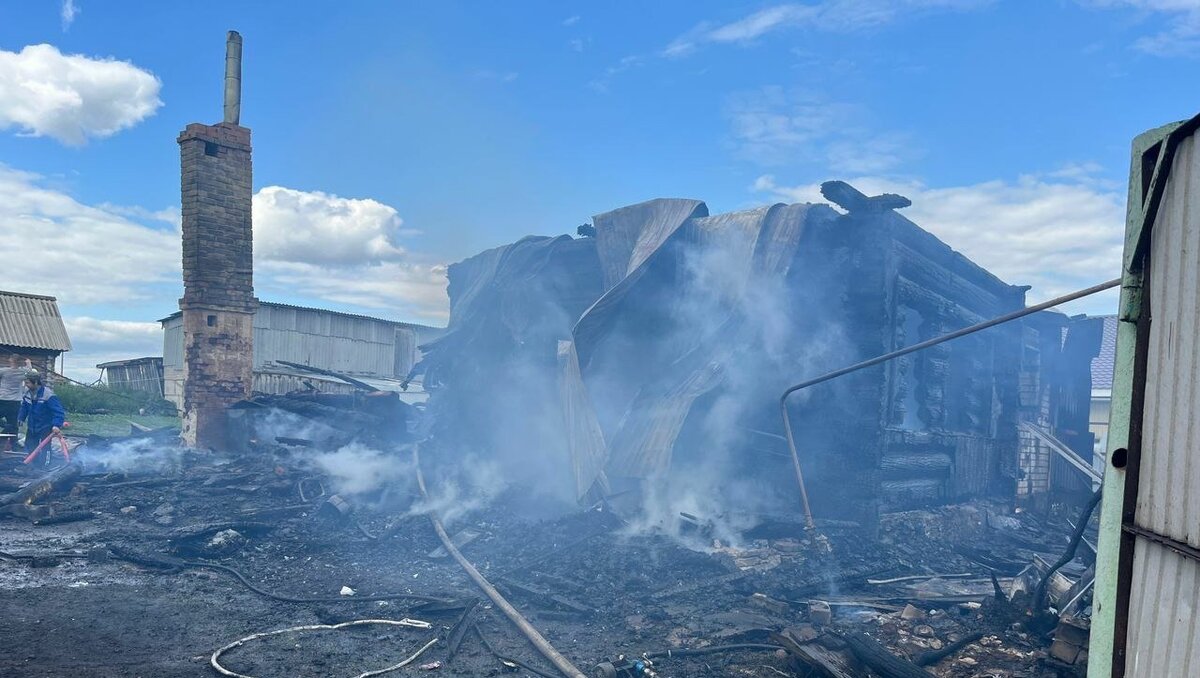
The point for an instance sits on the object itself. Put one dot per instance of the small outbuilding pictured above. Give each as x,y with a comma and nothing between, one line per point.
137,374
32,328
380,352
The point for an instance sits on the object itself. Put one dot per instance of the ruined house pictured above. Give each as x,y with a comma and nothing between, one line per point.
1102,383
1057,445
660,346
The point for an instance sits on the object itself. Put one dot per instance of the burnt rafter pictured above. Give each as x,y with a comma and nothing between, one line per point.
855,201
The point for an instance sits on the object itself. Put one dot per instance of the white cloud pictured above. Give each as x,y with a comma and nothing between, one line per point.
772,126
68,13
601,84
119,333
327,250
828,15
167,215
1180,38
72,98
79,253
571,20
1056,234
98,341
320,228
341,250
88,256
402,289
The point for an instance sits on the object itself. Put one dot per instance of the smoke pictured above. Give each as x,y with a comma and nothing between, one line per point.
762,329
460,491
694,511
356,470
283,424
138,455
688,354
502,399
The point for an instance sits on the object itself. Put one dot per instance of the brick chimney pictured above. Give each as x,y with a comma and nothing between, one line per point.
218,301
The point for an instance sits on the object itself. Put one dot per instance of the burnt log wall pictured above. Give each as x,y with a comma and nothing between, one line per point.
939,425
964,390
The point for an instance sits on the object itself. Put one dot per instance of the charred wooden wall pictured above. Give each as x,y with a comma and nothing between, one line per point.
937,425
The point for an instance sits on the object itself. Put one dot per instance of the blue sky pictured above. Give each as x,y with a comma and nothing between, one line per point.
393,138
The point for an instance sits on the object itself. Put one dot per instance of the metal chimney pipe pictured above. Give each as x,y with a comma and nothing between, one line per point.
233,77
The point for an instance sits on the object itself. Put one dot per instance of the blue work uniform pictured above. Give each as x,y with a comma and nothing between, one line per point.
42,411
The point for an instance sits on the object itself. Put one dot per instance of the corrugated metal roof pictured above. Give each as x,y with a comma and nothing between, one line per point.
129,361
275,304
32,321
1102,364
1165,585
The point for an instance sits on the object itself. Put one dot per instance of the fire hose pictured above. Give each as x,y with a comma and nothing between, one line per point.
215,659
783,411
543,646
46,441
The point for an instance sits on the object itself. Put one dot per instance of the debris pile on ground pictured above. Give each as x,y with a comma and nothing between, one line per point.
181,553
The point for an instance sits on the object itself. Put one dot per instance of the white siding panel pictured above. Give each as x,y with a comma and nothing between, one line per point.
173,343
1166,586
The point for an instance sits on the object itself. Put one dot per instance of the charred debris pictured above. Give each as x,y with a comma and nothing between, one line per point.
601,452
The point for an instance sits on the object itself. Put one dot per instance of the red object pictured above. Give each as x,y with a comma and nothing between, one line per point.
43,445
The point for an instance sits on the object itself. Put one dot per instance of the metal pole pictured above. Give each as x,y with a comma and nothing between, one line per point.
233,77
787,424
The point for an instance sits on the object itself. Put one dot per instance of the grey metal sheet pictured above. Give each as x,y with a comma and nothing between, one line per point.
753,246
1171,445
32,321
1165,589
1162,614
585,440
331,340
626,237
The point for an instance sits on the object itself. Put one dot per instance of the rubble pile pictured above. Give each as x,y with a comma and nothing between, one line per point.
266,532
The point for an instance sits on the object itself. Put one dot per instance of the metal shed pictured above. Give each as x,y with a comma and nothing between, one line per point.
138,374
344,342
1148,564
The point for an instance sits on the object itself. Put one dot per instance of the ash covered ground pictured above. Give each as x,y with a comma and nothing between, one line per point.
161,566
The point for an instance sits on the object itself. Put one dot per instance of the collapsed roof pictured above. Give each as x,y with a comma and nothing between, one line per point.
672,331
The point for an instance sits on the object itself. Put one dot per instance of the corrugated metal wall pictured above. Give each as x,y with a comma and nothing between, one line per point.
1164,638
352,344
331,341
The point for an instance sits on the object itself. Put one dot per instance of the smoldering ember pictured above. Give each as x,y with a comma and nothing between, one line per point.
767,442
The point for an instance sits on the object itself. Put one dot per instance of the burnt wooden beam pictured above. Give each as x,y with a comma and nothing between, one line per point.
828,663
42,486
870,652
853,200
